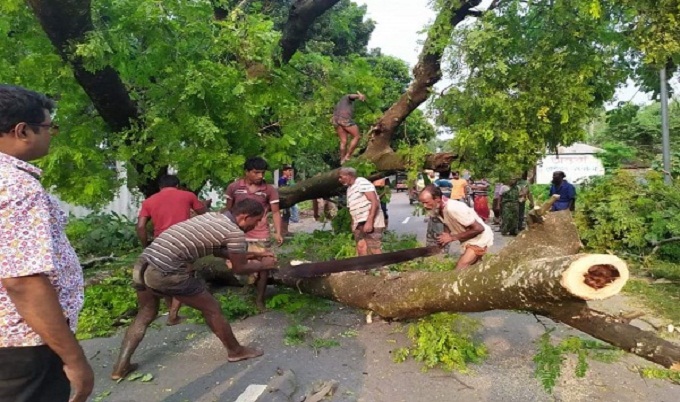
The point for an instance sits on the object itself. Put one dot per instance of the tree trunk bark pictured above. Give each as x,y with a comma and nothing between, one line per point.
426,73
536,268
326,184
301,16
66,23
537,272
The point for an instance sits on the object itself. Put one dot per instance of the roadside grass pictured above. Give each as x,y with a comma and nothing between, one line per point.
662,298
656,284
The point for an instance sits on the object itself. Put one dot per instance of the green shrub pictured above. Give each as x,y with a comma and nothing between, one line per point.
108,304
629,214
102,234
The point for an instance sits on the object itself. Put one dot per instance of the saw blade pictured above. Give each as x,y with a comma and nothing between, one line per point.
362,263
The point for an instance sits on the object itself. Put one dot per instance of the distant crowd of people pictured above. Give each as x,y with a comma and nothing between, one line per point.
509,199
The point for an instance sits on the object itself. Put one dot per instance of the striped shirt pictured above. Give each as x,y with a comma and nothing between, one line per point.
183,243
359,205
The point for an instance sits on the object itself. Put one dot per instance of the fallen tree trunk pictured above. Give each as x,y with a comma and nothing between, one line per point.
537,272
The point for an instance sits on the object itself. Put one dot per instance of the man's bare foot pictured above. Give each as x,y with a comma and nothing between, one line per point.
175,321
124,371
243,353
261,307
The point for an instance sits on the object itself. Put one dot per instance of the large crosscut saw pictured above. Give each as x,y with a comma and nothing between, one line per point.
362,263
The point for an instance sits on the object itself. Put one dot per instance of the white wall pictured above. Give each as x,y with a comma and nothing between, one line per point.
575,167
124,203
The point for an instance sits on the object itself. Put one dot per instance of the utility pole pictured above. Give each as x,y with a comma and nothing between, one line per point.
664,128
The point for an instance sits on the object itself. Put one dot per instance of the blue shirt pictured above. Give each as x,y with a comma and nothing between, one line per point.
567,194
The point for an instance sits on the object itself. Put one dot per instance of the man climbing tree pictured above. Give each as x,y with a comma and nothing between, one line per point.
344,125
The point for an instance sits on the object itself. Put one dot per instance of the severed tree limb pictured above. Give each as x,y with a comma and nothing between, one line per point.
537,272
536,215
616,331
301,16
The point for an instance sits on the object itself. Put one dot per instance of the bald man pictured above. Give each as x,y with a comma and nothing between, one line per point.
461,223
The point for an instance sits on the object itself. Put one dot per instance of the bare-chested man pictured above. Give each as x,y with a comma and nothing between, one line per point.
344,125
165,269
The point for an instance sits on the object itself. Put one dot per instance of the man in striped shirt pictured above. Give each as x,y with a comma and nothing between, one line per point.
165,208
368,222
165,269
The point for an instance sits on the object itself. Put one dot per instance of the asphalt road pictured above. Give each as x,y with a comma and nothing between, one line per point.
189,364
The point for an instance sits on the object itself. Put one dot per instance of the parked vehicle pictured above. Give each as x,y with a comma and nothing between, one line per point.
415,189
402,182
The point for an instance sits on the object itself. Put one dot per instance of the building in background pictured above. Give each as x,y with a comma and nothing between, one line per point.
578,162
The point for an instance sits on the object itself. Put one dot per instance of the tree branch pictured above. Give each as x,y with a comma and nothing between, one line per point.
66,23
302,15
426,73
325,184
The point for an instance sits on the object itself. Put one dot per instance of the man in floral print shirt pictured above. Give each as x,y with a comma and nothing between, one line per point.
41,283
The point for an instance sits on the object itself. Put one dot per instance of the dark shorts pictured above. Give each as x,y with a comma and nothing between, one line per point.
32,374
166,284
342,122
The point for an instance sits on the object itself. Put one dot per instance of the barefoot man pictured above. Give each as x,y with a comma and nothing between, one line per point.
344,125
165,208
164,269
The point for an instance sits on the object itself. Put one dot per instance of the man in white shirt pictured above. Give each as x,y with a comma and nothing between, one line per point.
368,222
461,223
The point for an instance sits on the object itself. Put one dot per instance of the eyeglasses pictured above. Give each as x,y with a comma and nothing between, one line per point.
53,127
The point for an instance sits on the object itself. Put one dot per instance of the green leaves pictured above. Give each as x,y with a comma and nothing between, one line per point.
624,213
528,78
443,340
142,377
550,358
209,92
656,29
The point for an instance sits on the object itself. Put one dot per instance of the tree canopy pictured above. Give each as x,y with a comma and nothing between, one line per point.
200,86
209,92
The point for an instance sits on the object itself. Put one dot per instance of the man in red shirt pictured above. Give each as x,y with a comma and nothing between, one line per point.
252,186
166,208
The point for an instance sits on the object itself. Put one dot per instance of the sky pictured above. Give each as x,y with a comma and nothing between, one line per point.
397,33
